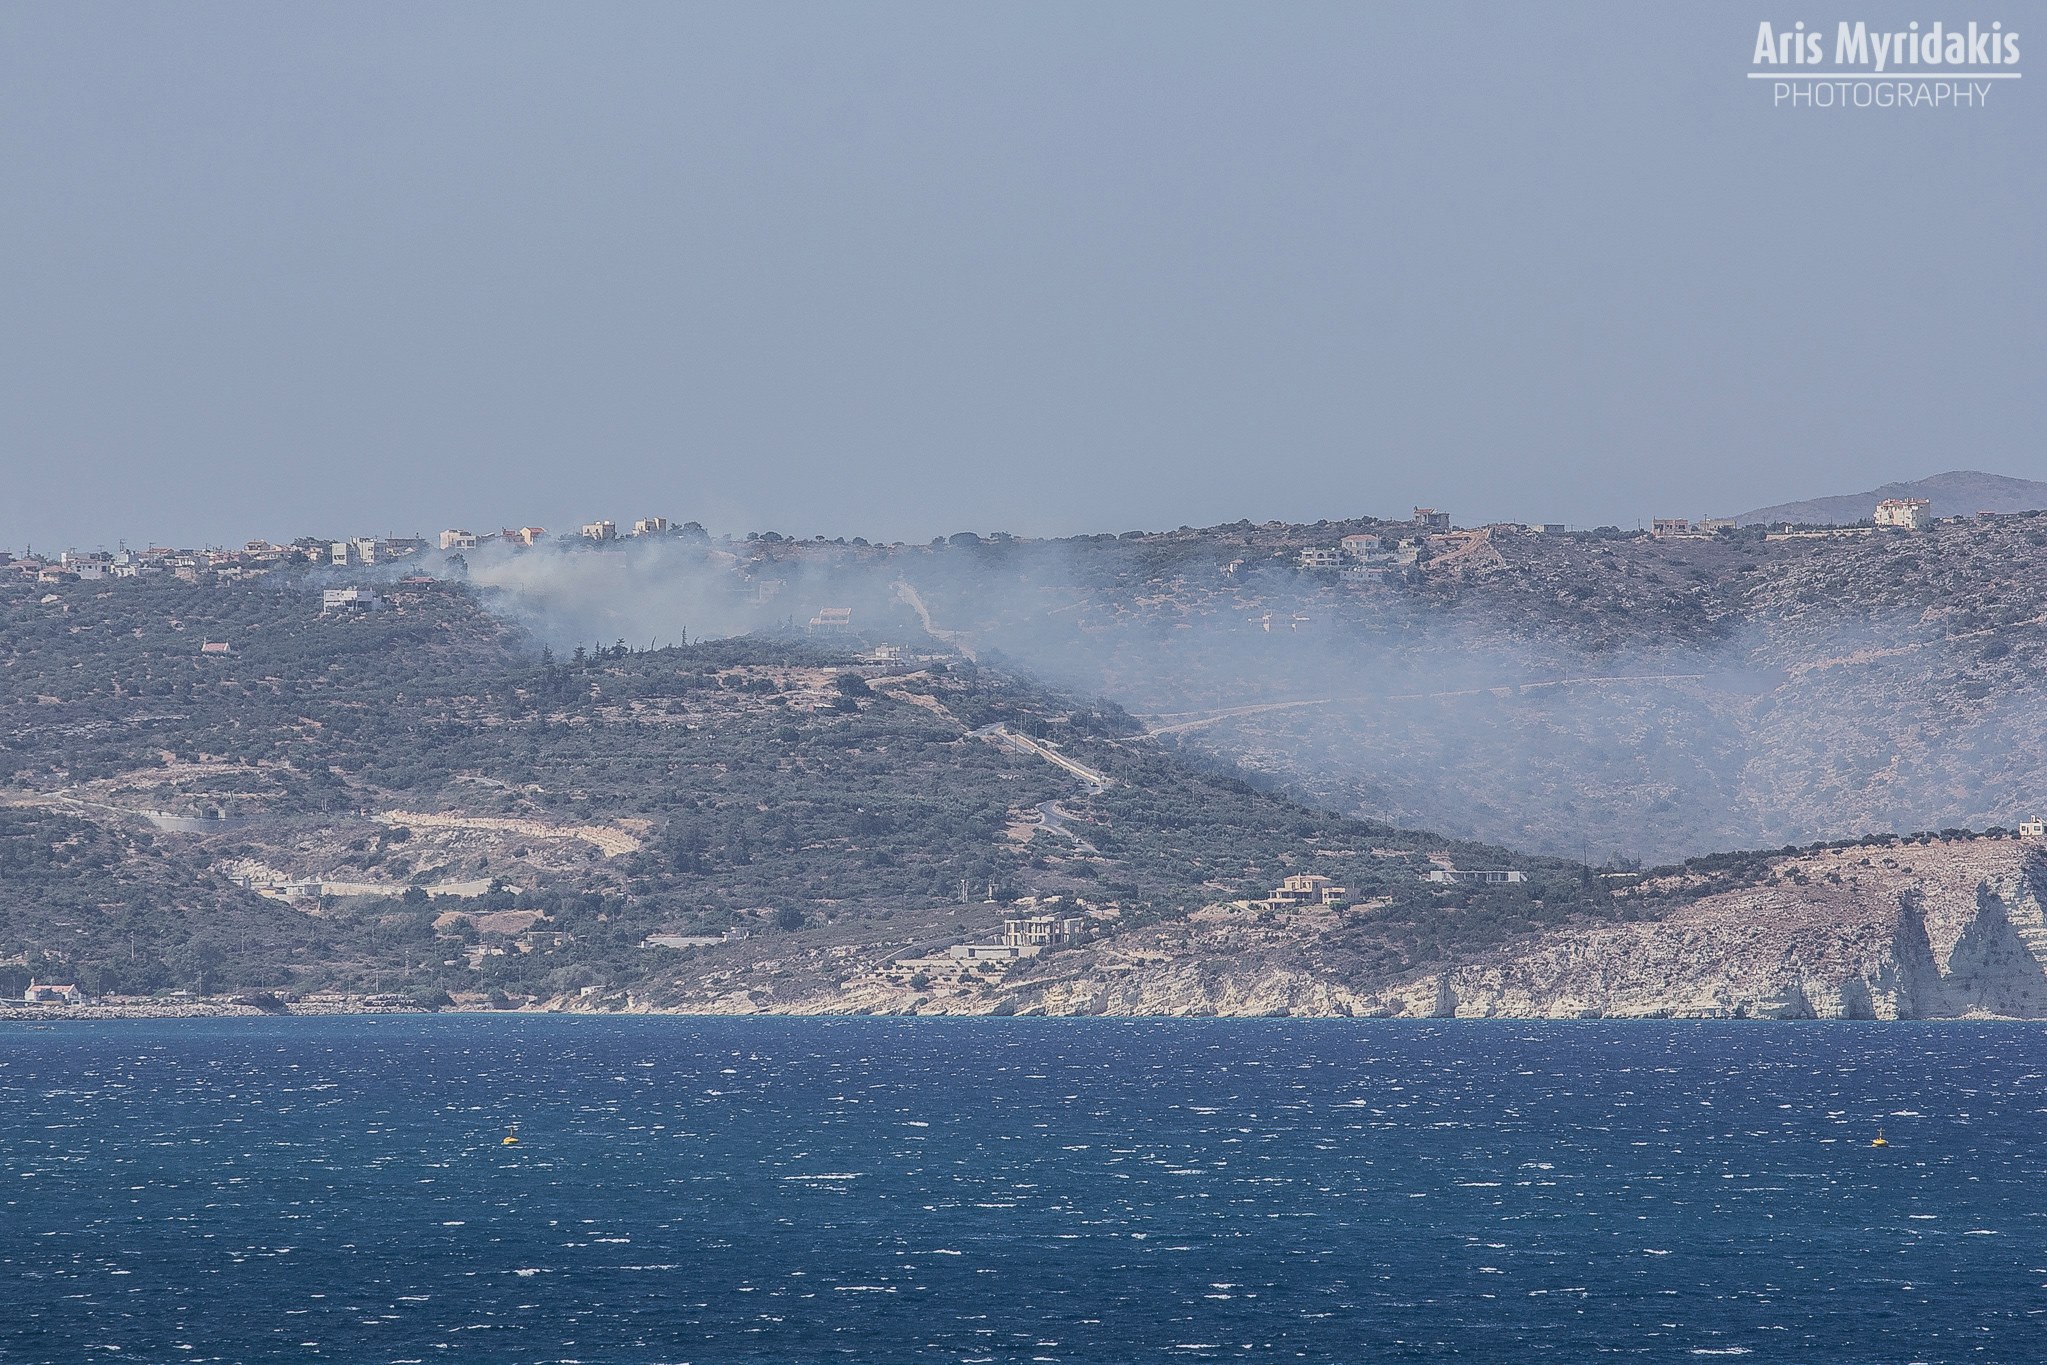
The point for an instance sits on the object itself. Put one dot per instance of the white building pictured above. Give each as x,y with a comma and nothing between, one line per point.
1321,557
1907,514
1445,876
458,540
651,526
1040,931
600,531
833,619
350,599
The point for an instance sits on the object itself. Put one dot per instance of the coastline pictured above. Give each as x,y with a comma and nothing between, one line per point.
206,1009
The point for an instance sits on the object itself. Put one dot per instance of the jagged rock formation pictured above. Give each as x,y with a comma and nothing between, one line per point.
1945,930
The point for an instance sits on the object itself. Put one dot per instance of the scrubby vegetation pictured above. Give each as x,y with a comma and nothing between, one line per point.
769,785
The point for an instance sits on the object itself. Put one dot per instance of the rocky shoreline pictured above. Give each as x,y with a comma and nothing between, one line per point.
1947,929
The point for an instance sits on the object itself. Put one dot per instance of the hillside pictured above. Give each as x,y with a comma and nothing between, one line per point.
1612,693
422,800
216,786
1927,928
1958,493
1594,695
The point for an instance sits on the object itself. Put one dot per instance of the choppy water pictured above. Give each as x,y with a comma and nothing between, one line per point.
690,1190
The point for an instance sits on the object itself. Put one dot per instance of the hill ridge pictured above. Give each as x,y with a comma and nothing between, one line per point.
1955,493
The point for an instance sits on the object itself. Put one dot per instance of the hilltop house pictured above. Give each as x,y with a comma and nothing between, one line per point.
1447,876
349,599
1040,931
833,619
1307,889
1906,514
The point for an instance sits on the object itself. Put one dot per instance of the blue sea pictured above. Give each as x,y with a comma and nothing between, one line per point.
1020,1190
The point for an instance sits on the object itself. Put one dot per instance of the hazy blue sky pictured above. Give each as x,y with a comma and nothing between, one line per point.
899,270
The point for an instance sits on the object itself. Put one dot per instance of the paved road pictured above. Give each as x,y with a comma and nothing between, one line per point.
1003,735
1055,820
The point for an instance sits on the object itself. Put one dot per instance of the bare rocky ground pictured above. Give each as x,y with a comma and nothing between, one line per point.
1950,928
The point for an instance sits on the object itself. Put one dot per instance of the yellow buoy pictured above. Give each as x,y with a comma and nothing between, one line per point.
511,1139
1879,1140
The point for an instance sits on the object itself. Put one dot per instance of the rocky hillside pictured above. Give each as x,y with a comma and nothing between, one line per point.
1923,929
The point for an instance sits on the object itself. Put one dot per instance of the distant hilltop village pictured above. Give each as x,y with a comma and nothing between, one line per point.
259,557
1433,540
591,532
1438,546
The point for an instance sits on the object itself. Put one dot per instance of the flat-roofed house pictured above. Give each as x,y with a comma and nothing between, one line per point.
832,619
1307,888
1905,514
349,599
